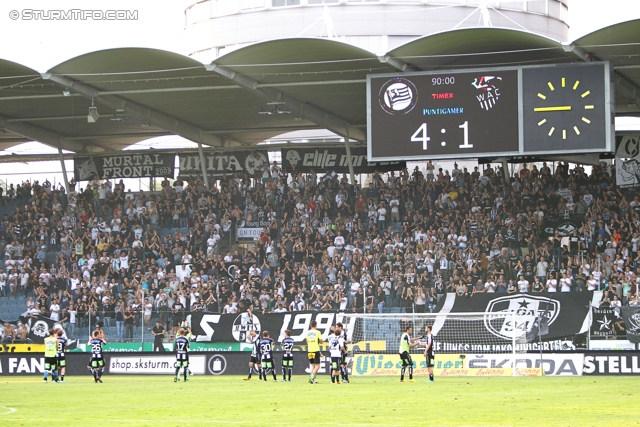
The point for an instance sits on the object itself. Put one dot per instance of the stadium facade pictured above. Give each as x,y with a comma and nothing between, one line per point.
216,27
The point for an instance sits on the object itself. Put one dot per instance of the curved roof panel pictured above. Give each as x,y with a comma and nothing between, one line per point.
479,47
327,74
618,43
301,59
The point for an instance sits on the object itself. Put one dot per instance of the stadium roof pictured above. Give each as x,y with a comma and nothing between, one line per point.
265,89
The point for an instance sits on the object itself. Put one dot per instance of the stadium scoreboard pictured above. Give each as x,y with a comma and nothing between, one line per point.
507,111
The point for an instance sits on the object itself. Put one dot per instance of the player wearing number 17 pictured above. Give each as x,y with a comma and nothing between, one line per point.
406,344
182,356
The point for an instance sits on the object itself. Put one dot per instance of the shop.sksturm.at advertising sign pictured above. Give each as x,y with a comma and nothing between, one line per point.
146,364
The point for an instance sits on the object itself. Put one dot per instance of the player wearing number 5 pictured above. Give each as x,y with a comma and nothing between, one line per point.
406,344
429,352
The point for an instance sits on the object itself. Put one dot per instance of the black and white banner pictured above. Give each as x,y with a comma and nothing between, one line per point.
567,314
611,363
218,163
334,159
565,227
250,229
209,327
628,161
124,166
631,316
606,322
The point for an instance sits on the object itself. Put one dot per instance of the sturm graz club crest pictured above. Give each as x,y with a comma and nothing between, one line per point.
40,329
243,324
398,96
250,162
527,307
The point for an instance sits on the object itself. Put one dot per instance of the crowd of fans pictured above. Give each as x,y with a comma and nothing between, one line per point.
104,253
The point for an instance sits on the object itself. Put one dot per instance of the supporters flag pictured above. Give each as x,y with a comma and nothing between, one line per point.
628,161
606,322
218,163
118,166
631,316
210,327
565,227
566,314
334,159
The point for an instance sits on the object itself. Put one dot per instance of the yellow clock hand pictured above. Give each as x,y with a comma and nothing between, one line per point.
558,108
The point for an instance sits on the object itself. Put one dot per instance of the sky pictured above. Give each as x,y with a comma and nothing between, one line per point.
42,44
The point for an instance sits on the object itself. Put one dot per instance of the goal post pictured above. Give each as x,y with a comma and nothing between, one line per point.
493,342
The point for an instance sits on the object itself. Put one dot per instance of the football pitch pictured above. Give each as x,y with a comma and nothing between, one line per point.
367,401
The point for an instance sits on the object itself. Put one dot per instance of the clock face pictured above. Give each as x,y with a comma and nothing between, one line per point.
564,108
560,119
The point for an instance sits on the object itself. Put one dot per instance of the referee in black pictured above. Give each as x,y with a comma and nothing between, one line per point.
158,332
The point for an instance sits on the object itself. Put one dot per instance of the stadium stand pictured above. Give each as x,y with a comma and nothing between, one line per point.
397,245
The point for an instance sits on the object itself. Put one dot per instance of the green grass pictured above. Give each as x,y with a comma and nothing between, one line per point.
227,400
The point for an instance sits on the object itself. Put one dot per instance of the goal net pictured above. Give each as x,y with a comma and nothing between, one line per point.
494,341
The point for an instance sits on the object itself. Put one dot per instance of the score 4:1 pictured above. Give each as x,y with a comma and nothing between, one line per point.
422,135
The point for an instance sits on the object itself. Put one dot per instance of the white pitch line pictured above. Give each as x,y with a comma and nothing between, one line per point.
209,421
9,409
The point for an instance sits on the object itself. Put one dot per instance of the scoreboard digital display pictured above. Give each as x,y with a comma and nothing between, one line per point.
462,114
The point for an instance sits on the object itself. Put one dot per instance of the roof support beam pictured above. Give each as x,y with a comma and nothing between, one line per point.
39,134
577,52
155,118
298,107
395,63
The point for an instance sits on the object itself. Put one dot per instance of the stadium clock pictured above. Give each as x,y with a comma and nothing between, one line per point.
490,112
566,107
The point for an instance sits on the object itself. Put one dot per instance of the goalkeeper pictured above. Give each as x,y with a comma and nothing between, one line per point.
406,344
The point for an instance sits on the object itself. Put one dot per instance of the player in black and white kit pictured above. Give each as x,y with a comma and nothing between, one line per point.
182,355
255,355
266,356
61,361
336,350
429,351
344,372
287,357
96,363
